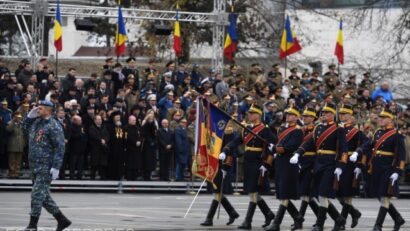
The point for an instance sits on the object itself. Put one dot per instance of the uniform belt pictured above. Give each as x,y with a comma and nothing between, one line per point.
309,154
326,152
253,149
383,153
349,153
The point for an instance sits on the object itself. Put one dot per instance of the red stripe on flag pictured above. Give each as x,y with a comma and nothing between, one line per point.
339,53
120,49
177,45
59,43
230,50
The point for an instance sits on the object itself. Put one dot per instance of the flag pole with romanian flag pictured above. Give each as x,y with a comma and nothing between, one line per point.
289,43
231,41
339,49
177,34
58,34
121,35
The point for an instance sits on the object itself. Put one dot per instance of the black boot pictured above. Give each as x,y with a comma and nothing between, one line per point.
380,219
314,206
297,216
344,213
247,224
230,210
267,212
32,225
398,219
356,214
275,226
335,215
321,217
211,214
62,221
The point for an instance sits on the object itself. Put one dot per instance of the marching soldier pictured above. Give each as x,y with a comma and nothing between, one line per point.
290,137
226,162
256,164
349,186
46,153
329,142
306,164
386,163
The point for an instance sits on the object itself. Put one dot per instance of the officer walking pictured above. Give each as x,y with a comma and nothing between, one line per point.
329,141
46,154
306,165
290,137
349,186
255,165
385,164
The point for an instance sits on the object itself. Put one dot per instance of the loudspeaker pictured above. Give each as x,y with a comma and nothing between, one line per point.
84,24
162,29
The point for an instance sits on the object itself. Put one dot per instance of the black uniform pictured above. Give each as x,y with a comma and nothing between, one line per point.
133,152
306,163
117,152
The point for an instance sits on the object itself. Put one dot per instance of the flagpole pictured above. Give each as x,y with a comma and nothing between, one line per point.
193,201
57,64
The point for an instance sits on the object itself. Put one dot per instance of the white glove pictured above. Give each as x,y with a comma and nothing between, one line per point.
223,173
353,157
338,172
54,173
394,177
357,172
294,159
33,113
138,143
222,156
263,170
271,147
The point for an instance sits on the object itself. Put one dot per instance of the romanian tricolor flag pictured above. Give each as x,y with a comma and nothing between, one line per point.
339,44
231,40
177,35
121,36
210,128
289,43
58,32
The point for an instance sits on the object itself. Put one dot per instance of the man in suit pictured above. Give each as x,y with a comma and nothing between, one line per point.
166,148
182,149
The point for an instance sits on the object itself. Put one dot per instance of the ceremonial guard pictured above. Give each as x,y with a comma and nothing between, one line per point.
386,152
349,181
306,165
256,164
46,154
225,165
290,137
329,142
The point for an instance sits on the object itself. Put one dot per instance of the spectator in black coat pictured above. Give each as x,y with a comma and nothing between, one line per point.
133,153
78,144
69,80
149,134
98,140
166,149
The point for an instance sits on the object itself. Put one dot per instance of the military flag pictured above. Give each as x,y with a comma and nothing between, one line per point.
121,35
339,51
231,40
58,32
177,34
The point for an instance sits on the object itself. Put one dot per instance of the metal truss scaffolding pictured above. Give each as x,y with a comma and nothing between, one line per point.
39,9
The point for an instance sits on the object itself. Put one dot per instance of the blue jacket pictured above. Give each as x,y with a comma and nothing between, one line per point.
182,147
386,94
164,104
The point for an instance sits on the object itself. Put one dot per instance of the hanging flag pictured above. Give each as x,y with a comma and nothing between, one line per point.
339,44
210,124
289,43
231,40
177,35
58,32
121,36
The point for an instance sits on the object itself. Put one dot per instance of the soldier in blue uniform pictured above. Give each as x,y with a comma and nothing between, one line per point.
349,186
290,137
256,164
46,154
329,142
306,165
386,155
225,165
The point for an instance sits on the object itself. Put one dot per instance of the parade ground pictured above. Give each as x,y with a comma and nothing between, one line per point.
130,211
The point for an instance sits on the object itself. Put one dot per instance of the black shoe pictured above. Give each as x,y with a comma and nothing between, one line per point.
62,221
398,219
297,216
335,215
344,213
230,210
275,226
32,226
247,224
321,217
380,219
314,206
356,214
211,213
267,212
